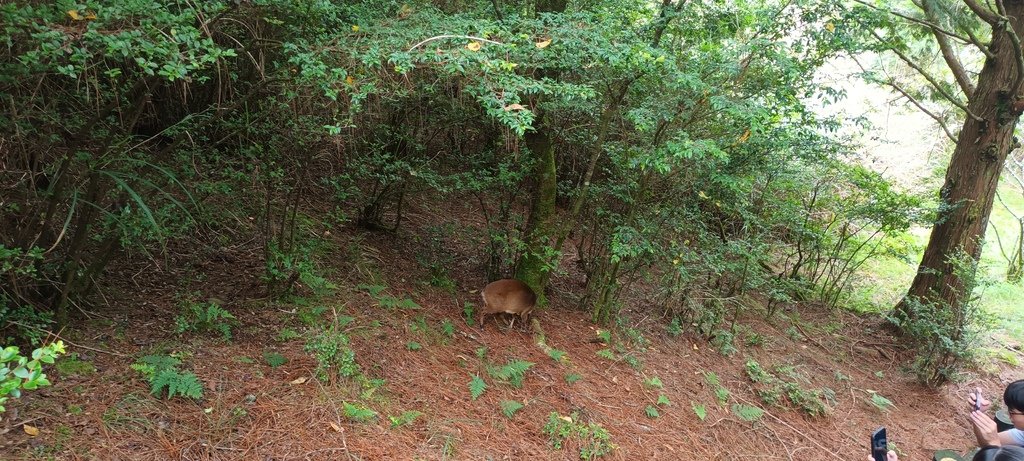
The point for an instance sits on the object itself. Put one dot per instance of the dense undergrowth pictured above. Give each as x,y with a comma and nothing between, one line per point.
672,142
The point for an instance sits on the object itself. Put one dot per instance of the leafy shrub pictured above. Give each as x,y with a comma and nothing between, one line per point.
18,372
332,350
772,388
594,440
944,338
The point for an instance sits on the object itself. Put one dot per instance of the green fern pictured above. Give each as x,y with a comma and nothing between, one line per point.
700,410
557,355
510,407
476,387
651,412
177,383
747,412
405,418
513,372
274,359
358,413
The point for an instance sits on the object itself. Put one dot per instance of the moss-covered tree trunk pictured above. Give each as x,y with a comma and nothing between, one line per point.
533,267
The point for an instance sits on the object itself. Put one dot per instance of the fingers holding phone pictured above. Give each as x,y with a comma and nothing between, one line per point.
977,401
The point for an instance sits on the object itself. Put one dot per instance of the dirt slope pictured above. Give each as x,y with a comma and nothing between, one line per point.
252,411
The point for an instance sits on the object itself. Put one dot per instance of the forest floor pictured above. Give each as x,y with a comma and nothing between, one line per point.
421,358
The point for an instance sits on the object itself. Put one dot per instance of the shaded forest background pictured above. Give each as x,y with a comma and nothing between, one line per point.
683,145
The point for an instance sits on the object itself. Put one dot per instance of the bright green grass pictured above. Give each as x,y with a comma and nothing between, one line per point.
882,281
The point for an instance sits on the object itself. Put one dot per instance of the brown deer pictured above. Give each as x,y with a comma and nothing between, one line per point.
507,296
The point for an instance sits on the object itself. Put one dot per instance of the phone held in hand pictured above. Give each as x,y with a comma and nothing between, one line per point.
977,399
879,444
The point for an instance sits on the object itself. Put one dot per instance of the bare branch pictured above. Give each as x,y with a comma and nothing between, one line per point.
948,54
935,84
439,37
916,103
930,25
981,46
985,14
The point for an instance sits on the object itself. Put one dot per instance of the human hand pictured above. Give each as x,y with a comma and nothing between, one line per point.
972,399
985,429
890,456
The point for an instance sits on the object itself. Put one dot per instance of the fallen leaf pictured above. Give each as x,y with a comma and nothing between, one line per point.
90,15
543,44
355,28
299,380
473,46
350,80
31,430
830,27
514,107
74,15
404,12
336,427
566,419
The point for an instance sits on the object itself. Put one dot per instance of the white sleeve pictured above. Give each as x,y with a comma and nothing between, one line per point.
1017,435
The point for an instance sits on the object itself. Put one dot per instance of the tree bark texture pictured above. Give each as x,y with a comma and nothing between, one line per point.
973,173
533,266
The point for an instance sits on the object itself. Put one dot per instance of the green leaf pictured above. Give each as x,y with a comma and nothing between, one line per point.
476,387
663,401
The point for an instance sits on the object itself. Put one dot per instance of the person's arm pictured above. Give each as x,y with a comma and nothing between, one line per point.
1012,437
891,456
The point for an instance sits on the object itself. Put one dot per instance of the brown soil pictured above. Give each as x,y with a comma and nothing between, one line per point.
251,411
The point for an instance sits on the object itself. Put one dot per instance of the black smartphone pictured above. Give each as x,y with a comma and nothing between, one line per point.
879,444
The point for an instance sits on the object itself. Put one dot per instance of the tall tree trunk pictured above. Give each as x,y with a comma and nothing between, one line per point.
973,173
532,267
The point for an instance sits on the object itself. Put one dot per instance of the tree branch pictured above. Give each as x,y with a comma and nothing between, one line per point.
930,25
916,103
1015,40
981,46
497,10
948,54
984,13
439,37
935,84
